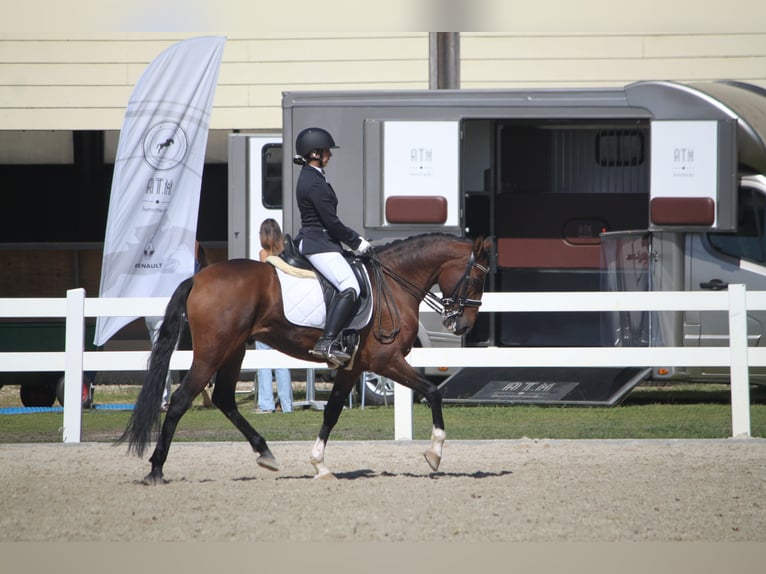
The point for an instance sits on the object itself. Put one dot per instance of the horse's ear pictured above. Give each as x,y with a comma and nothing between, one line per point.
482,247
489,246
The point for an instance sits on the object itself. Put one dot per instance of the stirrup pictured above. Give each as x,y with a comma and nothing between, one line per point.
337,357
321,348
331,352
351,341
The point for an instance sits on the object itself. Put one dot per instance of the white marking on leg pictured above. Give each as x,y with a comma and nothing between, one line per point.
438,436
317,458
434,454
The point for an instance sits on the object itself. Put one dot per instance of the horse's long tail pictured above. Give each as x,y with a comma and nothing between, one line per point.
145,418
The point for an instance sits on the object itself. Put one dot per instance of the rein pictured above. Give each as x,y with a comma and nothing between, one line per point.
384,296
447,307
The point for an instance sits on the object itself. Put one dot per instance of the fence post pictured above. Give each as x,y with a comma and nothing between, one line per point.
74,347
739,374
402,412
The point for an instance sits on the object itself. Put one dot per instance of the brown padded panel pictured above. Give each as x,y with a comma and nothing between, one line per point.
547,253
682,211
416,209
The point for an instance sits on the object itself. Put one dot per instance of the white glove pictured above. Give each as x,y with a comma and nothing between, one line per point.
364,247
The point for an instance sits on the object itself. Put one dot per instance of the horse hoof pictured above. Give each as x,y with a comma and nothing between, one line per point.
153,479
433,460
267,461
325,476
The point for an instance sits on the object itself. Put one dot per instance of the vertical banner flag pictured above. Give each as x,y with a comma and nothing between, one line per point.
152,221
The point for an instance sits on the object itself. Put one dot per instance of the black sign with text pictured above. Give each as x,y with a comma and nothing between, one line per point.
544,385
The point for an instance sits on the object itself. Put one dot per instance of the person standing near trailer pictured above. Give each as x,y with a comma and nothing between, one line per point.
271,244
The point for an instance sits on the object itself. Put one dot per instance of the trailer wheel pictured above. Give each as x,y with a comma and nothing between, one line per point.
37,395
86,396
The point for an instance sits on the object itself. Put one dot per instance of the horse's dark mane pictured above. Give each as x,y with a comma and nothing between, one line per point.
414,241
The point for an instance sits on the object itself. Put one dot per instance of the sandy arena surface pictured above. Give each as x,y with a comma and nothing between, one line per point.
509,490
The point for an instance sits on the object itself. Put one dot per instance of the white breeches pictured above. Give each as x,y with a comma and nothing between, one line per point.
334,267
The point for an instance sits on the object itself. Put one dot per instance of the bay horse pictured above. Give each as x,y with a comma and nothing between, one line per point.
231,303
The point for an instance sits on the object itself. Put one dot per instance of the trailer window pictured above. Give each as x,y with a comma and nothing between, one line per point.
571,159
748,242
619,148
271,168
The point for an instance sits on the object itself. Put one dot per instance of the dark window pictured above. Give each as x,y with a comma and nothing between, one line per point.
271,168
615,148
748,241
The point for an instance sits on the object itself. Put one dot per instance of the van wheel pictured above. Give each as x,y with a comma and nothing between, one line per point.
37,395
86,396
377,390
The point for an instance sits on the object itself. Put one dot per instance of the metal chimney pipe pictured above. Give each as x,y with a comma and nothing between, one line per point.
443,60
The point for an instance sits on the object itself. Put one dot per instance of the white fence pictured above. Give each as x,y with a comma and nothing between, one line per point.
737,356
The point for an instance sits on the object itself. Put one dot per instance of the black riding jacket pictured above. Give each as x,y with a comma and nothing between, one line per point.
321,230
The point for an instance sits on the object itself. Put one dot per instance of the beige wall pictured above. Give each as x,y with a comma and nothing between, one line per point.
498,61
86,83
53,79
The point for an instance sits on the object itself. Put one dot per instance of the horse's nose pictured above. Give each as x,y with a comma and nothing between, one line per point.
461,329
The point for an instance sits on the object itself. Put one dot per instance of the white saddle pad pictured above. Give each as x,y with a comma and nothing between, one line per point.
304,302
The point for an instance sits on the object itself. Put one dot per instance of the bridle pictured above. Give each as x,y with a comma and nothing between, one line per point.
455,305
448,307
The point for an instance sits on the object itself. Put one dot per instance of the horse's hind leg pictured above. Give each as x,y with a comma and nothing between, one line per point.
180,401
224,399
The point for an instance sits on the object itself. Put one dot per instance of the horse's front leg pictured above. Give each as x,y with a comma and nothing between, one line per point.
344,383
438,434
317,458
401,371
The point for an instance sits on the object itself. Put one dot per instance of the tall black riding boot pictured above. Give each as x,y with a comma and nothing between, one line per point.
338,316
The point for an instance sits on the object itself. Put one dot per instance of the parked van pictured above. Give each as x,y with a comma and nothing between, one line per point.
553,175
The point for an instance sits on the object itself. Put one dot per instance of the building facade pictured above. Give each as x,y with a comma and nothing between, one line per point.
63,94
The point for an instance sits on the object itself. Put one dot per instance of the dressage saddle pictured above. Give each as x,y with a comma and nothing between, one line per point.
292,256
349,339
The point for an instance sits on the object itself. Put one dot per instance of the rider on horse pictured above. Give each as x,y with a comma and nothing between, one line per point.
320,238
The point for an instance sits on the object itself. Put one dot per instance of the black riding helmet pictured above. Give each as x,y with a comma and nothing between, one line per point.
311,139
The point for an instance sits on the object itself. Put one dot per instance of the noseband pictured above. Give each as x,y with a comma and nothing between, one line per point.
455,305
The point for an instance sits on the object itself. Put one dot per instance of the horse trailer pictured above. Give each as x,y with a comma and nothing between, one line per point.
656,185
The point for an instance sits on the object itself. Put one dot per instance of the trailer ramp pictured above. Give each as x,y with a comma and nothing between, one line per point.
587,386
